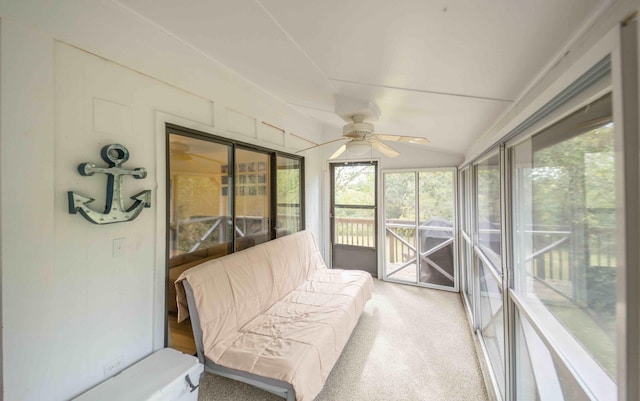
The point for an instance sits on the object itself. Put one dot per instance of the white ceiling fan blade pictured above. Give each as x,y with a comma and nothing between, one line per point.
402,138
384,149
338,152
320,144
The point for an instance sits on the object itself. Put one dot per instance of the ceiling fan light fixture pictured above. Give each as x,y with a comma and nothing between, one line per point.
359,148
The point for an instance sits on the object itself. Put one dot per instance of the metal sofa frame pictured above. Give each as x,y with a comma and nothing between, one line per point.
277,387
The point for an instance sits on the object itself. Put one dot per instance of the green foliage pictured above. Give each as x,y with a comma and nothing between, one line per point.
355,184
488,190
400,196
572,177
289,195
288,181
435,195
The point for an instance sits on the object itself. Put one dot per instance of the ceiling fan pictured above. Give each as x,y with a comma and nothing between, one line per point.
362,139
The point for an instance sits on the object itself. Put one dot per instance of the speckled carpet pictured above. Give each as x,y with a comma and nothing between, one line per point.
410,344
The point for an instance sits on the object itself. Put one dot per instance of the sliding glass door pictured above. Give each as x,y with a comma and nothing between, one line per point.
419,227
223,196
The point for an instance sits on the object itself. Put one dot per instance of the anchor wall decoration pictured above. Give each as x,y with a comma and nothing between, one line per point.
114,211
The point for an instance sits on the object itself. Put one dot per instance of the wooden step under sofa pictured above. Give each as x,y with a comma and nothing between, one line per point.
273,315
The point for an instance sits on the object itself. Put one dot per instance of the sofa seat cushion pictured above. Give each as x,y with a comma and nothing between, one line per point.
300,338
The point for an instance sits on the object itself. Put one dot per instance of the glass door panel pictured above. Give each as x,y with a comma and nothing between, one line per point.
199,209
436,227
400,226
289,196
199,218
253,199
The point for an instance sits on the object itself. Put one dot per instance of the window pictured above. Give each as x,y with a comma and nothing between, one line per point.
545,227
491,320
487,263
466,244
565,245
540,372
488,208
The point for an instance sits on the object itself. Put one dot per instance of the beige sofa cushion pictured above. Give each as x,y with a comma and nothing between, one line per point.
300,338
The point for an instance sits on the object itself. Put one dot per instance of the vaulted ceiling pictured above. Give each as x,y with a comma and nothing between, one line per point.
444,70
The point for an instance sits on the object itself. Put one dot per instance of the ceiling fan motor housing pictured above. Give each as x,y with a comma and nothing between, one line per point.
357,130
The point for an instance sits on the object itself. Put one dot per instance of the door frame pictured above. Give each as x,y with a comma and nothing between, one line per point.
377,200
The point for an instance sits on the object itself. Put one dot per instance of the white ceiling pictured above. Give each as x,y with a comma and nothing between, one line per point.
444,70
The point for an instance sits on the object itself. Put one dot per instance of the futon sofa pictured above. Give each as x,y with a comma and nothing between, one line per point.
273,315
179,263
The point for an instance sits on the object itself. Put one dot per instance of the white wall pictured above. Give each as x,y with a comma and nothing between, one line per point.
26,196
68,306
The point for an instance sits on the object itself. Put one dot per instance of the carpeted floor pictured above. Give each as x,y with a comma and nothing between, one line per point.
410,344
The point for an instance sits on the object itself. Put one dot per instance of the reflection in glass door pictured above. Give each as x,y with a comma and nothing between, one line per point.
252,198
199,208
198,219
419,227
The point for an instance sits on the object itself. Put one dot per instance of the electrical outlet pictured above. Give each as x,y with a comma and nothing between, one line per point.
118,247
113,367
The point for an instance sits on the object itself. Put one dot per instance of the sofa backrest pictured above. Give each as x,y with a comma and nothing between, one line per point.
232,290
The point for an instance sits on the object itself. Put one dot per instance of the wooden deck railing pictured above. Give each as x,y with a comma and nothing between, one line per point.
355,231
552,262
